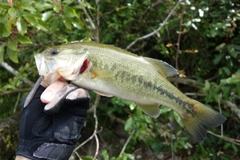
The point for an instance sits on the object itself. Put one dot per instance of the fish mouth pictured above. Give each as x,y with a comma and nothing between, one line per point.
84,67
66,72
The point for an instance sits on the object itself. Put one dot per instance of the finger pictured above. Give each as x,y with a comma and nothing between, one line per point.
58,101
48,95
78,93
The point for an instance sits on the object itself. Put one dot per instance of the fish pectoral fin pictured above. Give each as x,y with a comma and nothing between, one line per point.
96,73
151,110
103,94
165,69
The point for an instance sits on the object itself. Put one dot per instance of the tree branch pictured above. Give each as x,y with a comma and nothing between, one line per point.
116,119
14,91
179,39
234,141
94,135
125,145
88,16
14,72
186,81
233,108
155,31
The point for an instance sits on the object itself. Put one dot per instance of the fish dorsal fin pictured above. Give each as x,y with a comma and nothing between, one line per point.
151,110
165,69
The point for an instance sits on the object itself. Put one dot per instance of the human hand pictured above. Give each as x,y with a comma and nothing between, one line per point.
51,123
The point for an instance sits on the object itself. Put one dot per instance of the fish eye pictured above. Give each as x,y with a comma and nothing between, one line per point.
54,52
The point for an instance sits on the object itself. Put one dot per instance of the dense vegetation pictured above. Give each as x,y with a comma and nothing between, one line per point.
199,38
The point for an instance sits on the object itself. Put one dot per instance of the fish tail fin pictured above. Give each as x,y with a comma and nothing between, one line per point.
204,119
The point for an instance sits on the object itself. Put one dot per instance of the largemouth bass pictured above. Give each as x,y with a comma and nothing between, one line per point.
111,71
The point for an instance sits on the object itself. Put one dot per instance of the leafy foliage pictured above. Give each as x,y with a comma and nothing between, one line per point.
201,39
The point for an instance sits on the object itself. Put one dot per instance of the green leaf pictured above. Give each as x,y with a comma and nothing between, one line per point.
12,45
164,109
178,119
70,12
226,146
42,26
29,8
12,55
4,32
218,58
128,125
207,85
232,51
2,53
67,23
23,39
43,5
105,155
46,16
30,19
77,23
226,70
21,26
236,47
12,12
232,80
234,148
4,5
220,47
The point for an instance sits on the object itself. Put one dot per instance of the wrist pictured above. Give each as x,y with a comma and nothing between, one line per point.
21,158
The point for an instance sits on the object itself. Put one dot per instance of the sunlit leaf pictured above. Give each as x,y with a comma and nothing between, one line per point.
67,23
77,23
30,19
21,26
42,26
46,15
70,12
178,119
164,109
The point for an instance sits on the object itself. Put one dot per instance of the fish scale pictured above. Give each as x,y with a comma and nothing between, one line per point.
147,75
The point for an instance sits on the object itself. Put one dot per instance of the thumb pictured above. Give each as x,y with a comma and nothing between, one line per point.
50,92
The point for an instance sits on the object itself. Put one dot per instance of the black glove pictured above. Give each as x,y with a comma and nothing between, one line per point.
52,133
